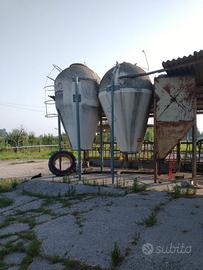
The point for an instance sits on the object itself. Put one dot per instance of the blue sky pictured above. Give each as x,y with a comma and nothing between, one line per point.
36,34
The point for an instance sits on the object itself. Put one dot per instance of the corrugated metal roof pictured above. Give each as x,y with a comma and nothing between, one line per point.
187,65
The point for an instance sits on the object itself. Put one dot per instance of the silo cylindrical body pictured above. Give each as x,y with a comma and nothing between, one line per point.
65,90
132,98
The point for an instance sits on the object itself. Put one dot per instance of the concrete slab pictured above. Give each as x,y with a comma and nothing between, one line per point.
14,228
14,258
54,188
41,264
89,233
175,242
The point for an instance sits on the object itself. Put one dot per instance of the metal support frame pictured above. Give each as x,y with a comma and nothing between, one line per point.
101,141
59,133
178,156
77,104
112,131
59,138
194,152
155,143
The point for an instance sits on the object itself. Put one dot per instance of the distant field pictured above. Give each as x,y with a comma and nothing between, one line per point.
45,151
29,153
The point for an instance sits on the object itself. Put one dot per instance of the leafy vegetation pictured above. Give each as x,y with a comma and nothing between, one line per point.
32,251
9,184
150,220
138,187
4,201
11,144
116,257
181,191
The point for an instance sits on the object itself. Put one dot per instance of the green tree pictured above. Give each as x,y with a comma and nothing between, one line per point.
149,134
3,132
48,139
17,137
32,139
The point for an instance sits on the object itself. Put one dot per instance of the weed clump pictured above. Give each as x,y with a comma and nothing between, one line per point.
150,220
116,257
66,179
4,201
138,187
179,191
71,192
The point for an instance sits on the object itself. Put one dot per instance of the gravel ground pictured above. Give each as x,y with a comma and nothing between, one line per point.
21,169
86,226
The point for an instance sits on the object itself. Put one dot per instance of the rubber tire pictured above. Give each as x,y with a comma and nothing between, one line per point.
55,156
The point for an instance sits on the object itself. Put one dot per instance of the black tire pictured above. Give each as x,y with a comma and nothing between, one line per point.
62,154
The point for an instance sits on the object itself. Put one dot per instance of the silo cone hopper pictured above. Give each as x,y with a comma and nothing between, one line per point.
65,90
132,98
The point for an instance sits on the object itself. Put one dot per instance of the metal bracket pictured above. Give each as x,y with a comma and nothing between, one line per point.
77,98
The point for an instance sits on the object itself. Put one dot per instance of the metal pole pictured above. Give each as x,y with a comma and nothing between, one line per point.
59,133
101,141
112,126
163,69
77,101
194,152
178,156
59,139
155,144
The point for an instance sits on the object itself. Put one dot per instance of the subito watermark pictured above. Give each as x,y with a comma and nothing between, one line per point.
172,248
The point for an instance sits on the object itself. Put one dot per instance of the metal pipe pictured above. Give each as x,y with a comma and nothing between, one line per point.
59,138
155,143
77,101
161,70
59,133
146,59
101,140
178,156
112,130
194,152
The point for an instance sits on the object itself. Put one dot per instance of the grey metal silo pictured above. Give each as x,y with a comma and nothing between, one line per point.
65,104
132,97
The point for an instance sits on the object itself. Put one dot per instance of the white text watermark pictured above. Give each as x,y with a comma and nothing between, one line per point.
179,248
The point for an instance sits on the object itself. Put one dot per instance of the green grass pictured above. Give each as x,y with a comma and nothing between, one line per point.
31,251
179,191
70,192
150,220
49,199
34,248
137,187
71,264
7,221
10,247
4,201
26,154
116,257
9,184
28,235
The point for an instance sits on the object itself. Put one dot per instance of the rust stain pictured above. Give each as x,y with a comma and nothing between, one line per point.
169,134
167,88
181,91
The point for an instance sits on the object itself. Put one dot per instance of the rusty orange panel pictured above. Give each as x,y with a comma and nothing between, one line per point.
175,108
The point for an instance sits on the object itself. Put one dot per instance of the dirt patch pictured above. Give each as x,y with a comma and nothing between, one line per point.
28,168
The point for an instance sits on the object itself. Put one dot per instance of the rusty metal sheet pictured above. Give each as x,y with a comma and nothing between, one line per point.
193,65
175,109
